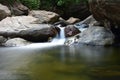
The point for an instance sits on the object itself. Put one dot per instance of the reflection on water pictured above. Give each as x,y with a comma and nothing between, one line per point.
60,63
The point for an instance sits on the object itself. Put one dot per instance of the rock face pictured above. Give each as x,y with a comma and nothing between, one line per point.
16,42
96,35
45,16
70,30
106,10
23,26
4,12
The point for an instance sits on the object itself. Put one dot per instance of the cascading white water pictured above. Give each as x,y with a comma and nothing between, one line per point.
58,40
81,26
62,33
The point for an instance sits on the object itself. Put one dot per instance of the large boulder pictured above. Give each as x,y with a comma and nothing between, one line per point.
106,11
23,26
70,30
96,35
16,42
4,12
45,16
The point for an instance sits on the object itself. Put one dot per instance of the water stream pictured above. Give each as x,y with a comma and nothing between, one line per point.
60,63
54,61
57,41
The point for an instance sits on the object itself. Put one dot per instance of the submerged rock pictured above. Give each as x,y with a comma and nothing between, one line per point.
4,12
96,35
16,42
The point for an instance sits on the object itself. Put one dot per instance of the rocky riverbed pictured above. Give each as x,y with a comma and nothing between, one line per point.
40,26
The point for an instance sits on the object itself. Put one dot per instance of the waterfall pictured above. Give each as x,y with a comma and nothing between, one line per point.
58,40
62,33
60,37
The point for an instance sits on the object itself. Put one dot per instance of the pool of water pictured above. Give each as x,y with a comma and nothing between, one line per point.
60,63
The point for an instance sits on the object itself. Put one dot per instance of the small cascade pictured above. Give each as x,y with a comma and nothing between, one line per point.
58,40
62,33
81,26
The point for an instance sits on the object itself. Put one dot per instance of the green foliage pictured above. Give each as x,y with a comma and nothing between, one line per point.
60,2
45,4
51,4
32,4
67,2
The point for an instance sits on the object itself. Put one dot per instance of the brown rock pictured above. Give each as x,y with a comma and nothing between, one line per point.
19,9
16,7
70,30
106,11
4,11
45,16
73,20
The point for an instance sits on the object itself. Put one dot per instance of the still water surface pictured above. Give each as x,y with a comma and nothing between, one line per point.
60,63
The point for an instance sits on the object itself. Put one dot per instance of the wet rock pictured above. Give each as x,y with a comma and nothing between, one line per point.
16,42
62,23
4,12
96,35
81,27
23,26
70,30
2,40
44,16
